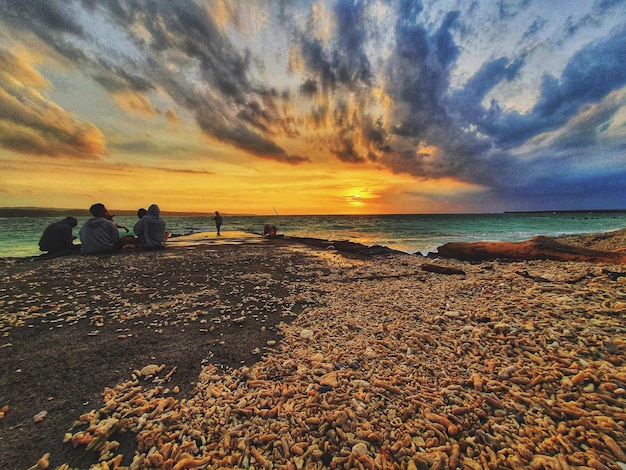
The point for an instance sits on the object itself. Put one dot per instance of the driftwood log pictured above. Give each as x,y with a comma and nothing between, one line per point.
537,248
436,268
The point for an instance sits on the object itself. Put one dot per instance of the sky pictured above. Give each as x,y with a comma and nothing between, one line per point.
314,107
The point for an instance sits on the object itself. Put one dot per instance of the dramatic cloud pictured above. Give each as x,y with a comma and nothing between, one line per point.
175,36
516,98
31,124
590,75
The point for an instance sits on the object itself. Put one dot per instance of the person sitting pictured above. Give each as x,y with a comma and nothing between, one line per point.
269,230
151,229
99,234
58,239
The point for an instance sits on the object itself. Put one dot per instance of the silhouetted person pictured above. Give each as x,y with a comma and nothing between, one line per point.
218,222
58,239
141,213
99,234
151,229
269,230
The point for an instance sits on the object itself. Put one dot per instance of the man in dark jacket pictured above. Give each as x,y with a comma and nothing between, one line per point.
218,222
99,234
57,238
151,229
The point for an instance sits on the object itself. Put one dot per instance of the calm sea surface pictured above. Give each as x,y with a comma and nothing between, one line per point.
410,233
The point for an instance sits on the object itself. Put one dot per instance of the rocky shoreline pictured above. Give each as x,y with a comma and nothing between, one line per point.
365,360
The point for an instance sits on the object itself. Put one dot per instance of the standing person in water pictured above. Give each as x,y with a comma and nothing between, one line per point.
58,239
218,222
151,229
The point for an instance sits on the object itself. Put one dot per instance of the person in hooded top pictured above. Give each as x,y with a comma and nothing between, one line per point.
151,229
99,234
58,239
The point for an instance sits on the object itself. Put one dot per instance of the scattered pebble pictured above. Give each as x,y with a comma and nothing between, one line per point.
389,366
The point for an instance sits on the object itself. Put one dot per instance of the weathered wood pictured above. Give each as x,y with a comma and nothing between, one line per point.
436,268
537,248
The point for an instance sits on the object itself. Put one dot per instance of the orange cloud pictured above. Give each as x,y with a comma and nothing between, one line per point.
134,102
32,124
171,116
14,69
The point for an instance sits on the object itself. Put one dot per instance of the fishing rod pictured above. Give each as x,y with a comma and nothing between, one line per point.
280,222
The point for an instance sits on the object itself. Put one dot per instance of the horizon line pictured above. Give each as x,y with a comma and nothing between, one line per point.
127,212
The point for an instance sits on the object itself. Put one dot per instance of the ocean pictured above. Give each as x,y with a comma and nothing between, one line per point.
409,233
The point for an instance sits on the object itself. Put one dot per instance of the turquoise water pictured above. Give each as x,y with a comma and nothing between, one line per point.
410,233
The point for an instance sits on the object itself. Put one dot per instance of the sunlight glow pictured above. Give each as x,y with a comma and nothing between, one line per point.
320,107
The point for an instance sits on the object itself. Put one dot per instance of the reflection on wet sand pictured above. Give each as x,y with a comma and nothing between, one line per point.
230,237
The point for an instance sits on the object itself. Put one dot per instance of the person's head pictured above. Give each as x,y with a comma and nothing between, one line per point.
217,212
154,210
71,221
98,210
142,213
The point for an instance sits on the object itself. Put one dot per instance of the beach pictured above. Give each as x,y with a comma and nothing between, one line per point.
260,353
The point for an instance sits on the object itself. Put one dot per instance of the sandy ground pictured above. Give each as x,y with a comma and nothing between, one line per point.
306,357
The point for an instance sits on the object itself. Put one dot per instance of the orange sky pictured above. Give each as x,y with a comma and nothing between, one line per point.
325,107
250,186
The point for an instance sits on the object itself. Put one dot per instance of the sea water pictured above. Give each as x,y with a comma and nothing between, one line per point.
409,233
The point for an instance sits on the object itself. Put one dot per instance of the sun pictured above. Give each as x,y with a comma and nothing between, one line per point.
356,200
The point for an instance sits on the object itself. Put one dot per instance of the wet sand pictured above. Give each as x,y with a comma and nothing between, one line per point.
276,354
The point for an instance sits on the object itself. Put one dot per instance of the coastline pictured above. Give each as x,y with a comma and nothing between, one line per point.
376,360
414,234
605,241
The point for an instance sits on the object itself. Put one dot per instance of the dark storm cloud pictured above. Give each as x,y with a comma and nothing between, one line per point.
349,59
184,26
344,148
590,75
472,142
39,16
418,71
418,81
245,116
309,87
246,139
428,130
376,134
230,113
114,79
336,68
347,153
344,61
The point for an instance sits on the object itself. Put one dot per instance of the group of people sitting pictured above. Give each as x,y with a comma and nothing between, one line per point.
100,234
